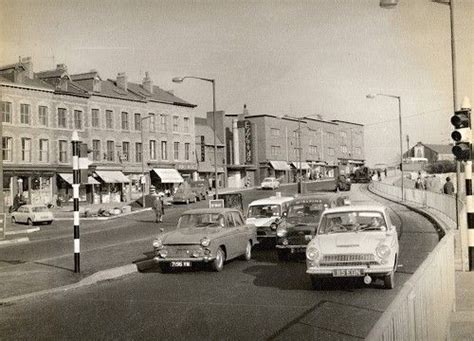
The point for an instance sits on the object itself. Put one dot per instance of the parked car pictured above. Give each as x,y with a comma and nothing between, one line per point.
343,183
266,215
211,236
184,194
301,221
354,241
270,183
32,214
200,188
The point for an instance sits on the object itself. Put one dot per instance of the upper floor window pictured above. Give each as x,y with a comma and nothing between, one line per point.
6,112
7,147
109,156
138,121
357,151
109,119
77,119
62,119
176,150
138,152
187,149
186,124
43,150
275,132
152,122
297,153
331,151
96,150
62,151
343,135
43,115
152,150
313,150
95,118
26,149
125,125
163,124
25,114
175,123
164,150
125,151
344,149
330,137
275,150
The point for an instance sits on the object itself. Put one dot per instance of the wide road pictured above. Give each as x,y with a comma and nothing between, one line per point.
259,299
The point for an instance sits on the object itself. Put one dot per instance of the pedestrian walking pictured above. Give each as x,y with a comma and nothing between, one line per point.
379,175
448,187
157,206
419,183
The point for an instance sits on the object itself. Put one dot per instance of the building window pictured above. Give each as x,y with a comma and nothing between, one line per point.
109,156
343,136
26,149
6,111
186,124
109,119
152,122
138,152
297,153
43,115
43,150
7,147
331,151
163,124
96,150
358,151
125,125
313,150
176,151
187,148
275,132
126,151
62,151
77,119
164,150
138,122
95,118
25,114
331,138
175,123
344,149
152,150
62,121
275,150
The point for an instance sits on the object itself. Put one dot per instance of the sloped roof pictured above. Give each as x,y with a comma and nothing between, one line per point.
440,148
158,94
25,81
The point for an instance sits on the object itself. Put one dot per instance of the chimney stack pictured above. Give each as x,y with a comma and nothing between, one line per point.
122,80
147,83
61,67
28,65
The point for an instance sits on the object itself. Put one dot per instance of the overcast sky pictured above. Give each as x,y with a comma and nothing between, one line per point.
278,57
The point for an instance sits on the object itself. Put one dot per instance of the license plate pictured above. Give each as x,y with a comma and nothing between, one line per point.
180,264
348,272
298,250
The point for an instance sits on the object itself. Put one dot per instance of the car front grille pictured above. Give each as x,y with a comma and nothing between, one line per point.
181,251
348,259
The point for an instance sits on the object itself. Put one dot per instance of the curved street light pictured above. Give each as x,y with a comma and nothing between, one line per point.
213,81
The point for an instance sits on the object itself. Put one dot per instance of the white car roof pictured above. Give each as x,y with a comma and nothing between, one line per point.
271,200
356,208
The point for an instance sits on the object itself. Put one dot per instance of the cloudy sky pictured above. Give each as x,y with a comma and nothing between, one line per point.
278,57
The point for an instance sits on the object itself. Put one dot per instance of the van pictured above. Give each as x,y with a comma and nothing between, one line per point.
266,214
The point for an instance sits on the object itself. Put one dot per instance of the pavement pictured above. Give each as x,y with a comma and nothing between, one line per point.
462,319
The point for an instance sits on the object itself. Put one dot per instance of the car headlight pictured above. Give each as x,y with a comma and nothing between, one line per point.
273,226
383,251
312,254
158,243
163,253
205,241
281,232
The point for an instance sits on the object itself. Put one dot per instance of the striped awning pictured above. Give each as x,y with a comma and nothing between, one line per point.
68,178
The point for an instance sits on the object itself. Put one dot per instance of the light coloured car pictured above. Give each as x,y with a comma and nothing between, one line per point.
32,214
270,183
266,214
210,235
354,241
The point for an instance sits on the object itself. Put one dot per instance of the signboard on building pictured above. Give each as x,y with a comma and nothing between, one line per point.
3,222
216,203
248,141
203,149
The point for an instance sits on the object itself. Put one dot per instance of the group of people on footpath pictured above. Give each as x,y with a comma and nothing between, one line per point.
432,183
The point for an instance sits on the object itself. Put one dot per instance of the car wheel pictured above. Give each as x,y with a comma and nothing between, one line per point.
317,282
13,220
164,268
218,263
248,251
29,222
389,280
283,255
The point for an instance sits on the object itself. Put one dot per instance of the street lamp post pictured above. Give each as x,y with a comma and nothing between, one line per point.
143,159
372,96
213,81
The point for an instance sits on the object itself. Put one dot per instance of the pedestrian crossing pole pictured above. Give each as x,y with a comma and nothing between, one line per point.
75,189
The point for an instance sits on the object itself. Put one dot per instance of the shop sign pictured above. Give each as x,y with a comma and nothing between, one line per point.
217,203
203,149
248,141
185,166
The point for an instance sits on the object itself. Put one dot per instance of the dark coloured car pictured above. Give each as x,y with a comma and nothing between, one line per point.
200,188
343,183
296,229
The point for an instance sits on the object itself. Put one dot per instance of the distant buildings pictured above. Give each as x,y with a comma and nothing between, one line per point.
430,152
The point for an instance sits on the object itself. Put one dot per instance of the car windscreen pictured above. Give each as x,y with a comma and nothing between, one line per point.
267,180
308,212
200,220
264,211
343,222
40,209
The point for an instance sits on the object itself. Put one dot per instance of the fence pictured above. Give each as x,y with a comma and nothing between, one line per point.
422,308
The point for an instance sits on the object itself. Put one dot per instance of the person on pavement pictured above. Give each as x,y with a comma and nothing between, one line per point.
448,187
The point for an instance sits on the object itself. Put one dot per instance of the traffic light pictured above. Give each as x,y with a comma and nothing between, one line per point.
462,134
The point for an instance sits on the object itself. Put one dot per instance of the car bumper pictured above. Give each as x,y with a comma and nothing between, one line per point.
157,259
292,248
374,270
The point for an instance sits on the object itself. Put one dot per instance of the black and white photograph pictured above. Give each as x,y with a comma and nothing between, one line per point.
236,170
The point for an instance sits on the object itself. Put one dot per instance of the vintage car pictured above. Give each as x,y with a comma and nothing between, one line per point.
210,235
266,214
184,194
200,188
343,183
354,241
32,214
270,183
302,219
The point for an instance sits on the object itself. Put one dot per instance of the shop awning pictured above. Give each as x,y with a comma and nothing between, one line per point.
112,177
280,165
168,175
304,165
68,178
318,163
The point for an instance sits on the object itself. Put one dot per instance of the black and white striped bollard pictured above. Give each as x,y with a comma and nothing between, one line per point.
75,189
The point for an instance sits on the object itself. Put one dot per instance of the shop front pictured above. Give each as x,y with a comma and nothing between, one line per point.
113,186
87,192
280,170
302,168
187,171
165,180
206,172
